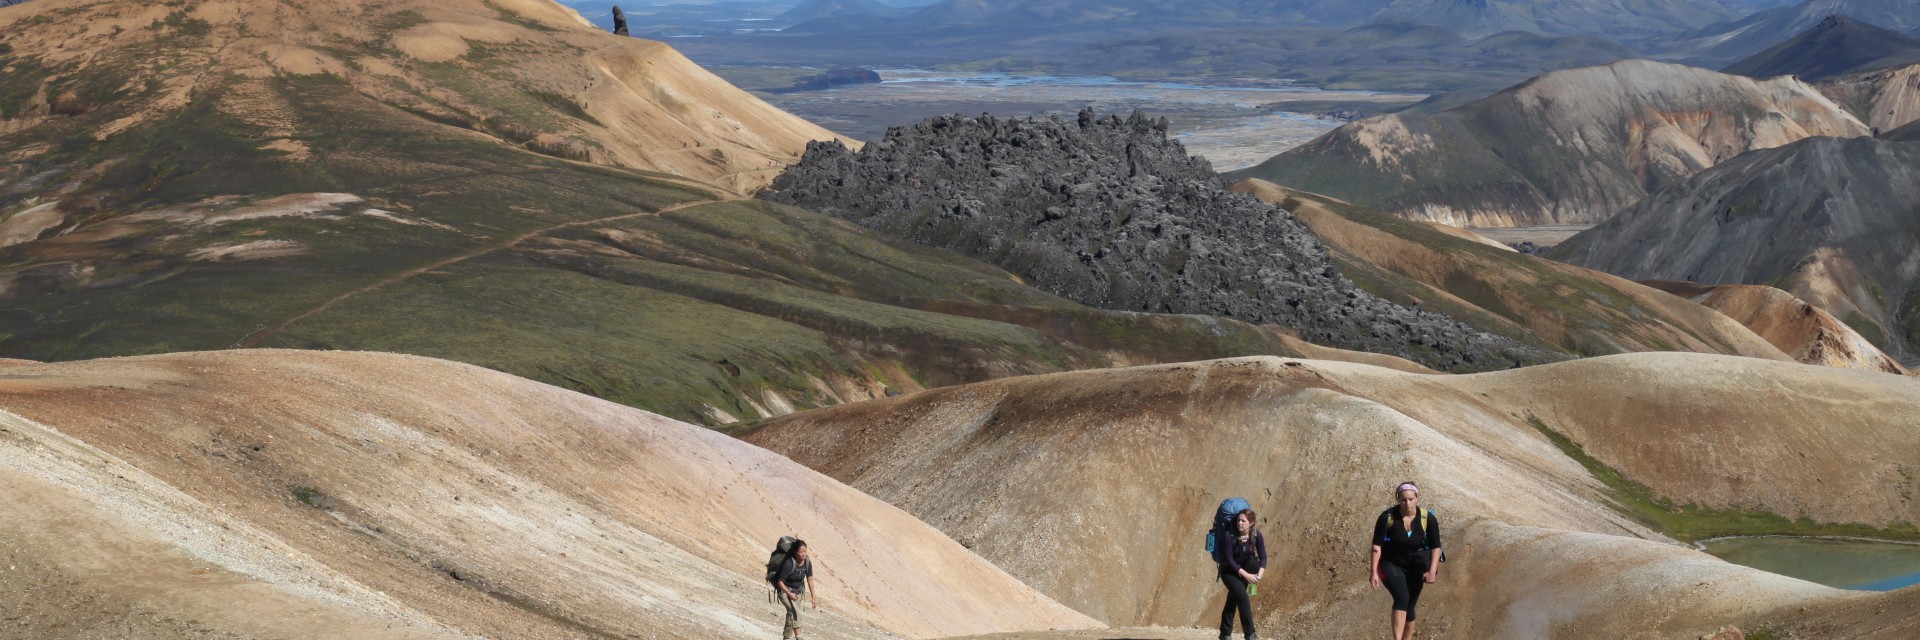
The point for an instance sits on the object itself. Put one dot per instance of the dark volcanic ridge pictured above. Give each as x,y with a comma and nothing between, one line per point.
1112,213
1727,42
1838,46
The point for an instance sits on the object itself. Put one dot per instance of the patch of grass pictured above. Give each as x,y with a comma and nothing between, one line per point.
1910,319
146,298
565,105
19,84
179,23
508,15
398,21
1866,328
88,89
629,344
1690,522
520,115
307,495
714,306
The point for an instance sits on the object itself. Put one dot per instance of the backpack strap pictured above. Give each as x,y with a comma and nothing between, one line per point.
1387,518
1424,514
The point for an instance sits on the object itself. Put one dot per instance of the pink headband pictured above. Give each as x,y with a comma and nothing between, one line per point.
1404,487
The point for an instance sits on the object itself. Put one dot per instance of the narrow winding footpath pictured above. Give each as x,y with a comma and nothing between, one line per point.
260,336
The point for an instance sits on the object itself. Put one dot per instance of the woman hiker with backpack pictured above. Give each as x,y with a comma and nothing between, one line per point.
1406,555
1243,561
792,579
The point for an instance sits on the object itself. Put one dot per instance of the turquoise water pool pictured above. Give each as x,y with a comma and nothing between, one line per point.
1847,564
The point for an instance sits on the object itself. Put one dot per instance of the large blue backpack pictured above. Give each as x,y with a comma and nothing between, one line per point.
1222,520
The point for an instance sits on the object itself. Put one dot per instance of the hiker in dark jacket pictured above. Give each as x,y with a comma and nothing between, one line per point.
1243,561
1406,555
795,578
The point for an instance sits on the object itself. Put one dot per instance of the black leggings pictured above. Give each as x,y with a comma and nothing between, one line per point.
1404,583
1236,599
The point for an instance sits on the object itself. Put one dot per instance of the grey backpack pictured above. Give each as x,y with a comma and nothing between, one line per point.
781,551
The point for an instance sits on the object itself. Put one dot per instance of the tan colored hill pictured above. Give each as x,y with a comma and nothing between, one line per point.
1886,99
528,73
1566,147
289,494
1488,284
1808,333
1557,482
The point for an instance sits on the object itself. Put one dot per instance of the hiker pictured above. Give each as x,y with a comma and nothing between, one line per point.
1243,561
1406,554
791,580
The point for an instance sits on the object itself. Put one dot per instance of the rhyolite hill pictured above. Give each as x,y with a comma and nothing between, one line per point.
1112,213
1886,99
1505,292
1830,220
1567,147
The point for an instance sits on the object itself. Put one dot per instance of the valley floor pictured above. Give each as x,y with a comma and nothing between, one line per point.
1232,126
1545,236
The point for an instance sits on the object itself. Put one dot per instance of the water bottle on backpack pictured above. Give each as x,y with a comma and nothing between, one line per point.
1218,535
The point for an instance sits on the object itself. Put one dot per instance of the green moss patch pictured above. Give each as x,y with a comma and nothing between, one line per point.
564,104
1689,522
1866,328
1910,319
508,15
398,21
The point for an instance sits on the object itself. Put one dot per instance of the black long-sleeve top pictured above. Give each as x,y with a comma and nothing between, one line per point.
1236,555
1399,545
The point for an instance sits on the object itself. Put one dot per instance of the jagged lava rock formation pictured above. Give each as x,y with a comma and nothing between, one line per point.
1566,147
1111,213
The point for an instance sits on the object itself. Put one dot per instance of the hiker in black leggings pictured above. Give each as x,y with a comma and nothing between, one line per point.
1243,560
1406,555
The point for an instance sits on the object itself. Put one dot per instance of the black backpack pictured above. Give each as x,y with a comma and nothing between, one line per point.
781,550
